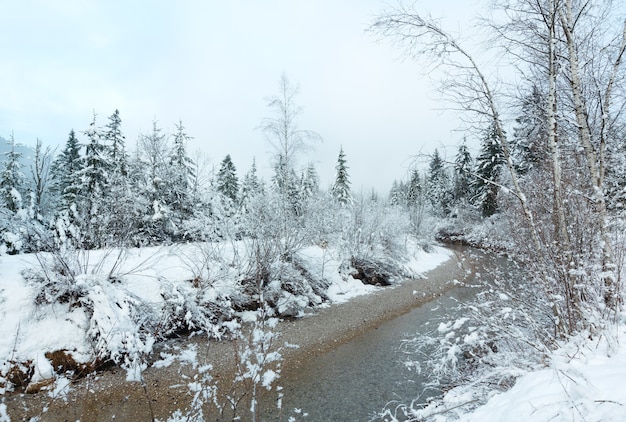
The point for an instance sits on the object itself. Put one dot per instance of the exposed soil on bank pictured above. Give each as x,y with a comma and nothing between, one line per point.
107,396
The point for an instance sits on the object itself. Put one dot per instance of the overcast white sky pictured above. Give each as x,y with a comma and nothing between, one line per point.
213,64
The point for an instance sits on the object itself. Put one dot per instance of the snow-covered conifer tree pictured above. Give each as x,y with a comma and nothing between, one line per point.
227,180
438,185
251,185
182,172
488,167
65,169
116,144
530,135
415,188
94,194
341,188
310,182
463,165
12,182
150,174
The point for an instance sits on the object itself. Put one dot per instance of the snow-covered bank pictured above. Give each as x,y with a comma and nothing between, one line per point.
584,381
122,299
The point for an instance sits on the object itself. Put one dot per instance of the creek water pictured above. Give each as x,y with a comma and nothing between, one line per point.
361,377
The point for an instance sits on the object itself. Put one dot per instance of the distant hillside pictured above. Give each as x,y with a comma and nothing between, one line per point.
27,152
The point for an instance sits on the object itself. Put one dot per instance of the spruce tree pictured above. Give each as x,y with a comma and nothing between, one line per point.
65,169
182,172
414,190
310,183
12,181
530,134
396,194
92,201
437,185
151,175
116,144
488,167
227,181
463,164
97,165
251,184
341,188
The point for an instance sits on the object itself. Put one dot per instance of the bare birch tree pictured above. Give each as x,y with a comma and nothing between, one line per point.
287,140
559,43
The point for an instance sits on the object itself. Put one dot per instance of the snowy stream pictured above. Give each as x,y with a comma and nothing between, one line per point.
361,377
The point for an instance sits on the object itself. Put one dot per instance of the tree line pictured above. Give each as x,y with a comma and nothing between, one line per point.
96,192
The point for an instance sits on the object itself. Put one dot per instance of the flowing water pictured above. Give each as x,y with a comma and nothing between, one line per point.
361,377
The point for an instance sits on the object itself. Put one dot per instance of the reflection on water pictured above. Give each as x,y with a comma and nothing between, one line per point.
361,377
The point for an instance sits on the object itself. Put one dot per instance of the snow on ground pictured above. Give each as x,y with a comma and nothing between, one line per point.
142,278
584,381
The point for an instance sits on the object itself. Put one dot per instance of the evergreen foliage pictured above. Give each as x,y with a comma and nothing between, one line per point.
530,145
181,169
341,188
65,170
116,144
414,189
463,178
12,182
251,185
227,181
438,185
310,182
488,168
398,194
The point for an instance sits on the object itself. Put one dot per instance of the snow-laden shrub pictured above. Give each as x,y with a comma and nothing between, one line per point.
289,289
121,325
258,362
189,308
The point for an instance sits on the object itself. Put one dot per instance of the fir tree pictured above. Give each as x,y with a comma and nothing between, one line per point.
227,181
251,184
530,135
414,190
12,182
437,187
396,194
182,172
341,188
65,169
285,183
463,164
95,174
94,195
310,182
151,175
116,144
488,167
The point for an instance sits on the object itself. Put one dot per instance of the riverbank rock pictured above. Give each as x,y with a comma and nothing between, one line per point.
376,273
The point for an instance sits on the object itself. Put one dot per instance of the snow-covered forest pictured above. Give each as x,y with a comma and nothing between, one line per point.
109,246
